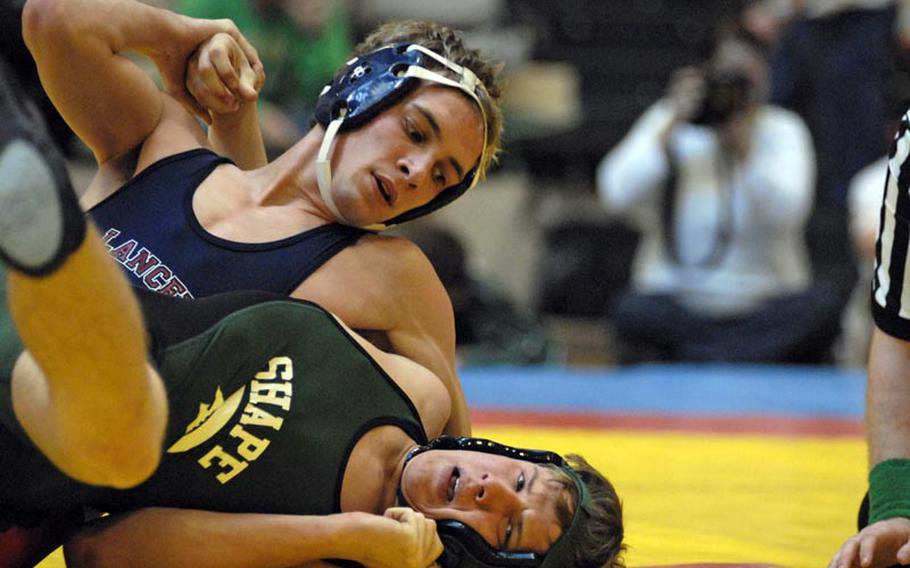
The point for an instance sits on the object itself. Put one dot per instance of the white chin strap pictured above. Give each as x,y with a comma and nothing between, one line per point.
324,167
468,84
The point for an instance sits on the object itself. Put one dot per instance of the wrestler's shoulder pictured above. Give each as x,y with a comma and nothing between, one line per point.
395,255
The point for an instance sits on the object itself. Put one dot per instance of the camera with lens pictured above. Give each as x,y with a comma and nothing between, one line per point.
726,93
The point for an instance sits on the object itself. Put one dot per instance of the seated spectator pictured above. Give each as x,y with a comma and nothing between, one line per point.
721,185
301,44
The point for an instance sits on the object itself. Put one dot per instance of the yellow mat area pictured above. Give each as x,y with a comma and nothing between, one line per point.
722,498
692,498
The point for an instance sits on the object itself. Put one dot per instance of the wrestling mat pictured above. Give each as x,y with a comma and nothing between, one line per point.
717,466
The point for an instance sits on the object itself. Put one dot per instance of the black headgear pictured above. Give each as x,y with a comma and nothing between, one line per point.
370,84
465,548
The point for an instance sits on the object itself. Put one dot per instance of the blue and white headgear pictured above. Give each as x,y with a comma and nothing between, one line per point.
370,84
465,548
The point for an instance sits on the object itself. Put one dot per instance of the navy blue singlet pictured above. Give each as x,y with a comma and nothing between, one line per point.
149,227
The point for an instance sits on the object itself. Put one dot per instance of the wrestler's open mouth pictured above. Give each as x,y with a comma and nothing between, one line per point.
383,190
453,484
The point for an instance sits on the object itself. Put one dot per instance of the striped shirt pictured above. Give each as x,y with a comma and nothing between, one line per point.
890,285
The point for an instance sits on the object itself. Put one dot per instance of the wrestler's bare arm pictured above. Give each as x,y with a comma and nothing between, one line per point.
222,80
386,284
425,390
239,137
425,332
164,538
108,100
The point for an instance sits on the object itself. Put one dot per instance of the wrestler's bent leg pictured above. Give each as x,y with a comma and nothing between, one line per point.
84,392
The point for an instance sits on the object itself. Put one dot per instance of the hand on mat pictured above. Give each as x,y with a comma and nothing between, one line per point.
220,76
402,538
881,544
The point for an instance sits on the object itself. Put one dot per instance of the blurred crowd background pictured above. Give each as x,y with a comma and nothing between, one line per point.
681,180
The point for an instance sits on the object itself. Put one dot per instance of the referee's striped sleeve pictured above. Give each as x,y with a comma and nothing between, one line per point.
891,279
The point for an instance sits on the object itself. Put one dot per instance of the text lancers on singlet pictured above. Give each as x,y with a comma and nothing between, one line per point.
144,265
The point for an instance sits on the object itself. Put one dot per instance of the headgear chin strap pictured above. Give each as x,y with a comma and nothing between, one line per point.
465,548
372,83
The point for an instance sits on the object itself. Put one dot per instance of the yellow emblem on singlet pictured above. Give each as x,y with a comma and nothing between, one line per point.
248,432
211,418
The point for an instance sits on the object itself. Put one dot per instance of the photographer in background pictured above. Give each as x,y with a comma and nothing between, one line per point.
721,185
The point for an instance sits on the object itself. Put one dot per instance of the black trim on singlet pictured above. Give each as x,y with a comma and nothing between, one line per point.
170,320
419,435
403,425
158,165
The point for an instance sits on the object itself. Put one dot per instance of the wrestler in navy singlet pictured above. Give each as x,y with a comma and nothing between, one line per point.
150,228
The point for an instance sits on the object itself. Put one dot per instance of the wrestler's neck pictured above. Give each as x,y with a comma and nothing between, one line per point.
395,461
393,487
373,469
260,205
291,177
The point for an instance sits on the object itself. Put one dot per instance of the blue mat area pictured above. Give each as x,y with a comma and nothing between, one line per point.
812,392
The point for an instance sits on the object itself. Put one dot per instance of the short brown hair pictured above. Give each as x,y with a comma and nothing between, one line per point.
601,544
449,43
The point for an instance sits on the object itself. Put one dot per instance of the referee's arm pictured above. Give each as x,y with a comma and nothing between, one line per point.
888,398
888,389
885,541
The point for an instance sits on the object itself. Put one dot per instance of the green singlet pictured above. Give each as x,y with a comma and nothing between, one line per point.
266,405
